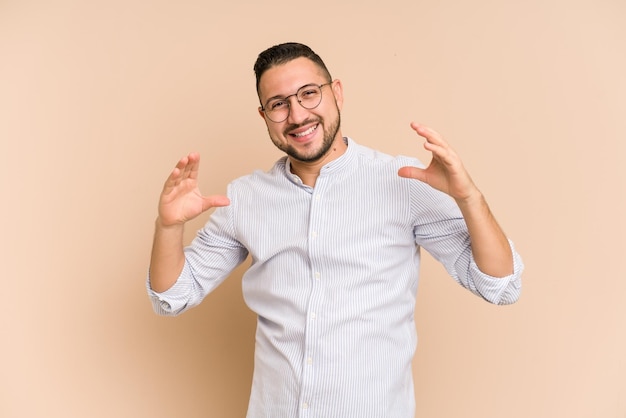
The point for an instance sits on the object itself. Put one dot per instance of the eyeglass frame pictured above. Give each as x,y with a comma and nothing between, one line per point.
286,99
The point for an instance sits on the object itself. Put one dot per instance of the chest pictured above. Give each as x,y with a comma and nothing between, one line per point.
336,217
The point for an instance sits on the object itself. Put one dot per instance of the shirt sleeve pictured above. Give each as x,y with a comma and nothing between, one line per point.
440,229
178,298
498,290
213,254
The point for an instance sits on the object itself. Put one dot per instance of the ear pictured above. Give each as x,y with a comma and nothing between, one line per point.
337,88
261,113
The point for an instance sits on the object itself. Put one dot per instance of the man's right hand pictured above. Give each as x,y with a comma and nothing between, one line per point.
181,199
180,202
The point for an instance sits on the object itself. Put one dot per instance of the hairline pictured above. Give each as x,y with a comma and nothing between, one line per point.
321,71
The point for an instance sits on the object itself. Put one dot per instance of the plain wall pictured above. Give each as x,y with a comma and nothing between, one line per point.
99,99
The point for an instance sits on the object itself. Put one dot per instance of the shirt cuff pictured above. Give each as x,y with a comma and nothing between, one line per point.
174,300
499,290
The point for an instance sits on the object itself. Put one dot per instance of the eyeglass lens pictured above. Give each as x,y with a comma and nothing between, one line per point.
309,97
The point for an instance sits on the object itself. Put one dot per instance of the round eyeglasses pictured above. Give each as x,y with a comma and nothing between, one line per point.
309,96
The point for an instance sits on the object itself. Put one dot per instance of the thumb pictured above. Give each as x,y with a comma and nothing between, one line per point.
209,202
412,173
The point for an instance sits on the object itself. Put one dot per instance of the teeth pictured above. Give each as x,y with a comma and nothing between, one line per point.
308,131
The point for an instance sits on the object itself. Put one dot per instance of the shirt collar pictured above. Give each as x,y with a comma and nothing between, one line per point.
335,166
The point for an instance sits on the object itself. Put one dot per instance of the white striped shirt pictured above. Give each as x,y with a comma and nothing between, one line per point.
333,281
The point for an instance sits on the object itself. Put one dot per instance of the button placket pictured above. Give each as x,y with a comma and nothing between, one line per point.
315,297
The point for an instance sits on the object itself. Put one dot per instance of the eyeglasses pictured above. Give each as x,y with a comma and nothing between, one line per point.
309,96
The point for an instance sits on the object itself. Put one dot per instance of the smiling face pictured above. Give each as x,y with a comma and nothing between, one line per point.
307,135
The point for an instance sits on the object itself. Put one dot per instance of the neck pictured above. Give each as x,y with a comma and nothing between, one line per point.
310,171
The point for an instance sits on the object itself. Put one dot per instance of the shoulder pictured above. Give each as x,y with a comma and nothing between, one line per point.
373,157
380,169
259,180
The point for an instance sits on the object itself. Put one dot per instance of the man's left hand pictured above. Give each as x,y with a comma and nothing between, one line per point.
445,171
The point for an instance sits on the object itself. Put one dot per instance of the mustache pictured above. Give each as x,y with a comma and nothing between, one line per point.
300,125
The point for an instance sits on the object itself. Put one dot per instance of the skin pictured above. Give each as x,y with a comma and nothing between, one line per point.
310,153
181,199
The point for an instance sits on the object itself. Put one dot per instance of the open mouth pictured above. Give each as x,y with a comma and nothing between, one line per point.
305,133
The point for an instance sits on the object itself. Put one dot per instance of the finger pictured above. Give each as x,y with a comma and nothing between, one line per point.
172,180
412,173
435,143
214,202
438,151
189,164
177,175
429,134
193,165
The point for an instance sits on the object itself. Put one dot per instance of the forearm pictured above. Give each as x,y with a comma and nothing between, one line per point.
167,259
490,246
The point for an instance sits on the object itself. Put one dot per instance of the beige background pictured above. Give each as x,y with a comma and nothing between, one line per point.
98,100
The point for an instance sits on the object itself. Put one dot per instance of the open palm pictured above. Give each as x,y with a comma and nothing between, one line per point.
181,199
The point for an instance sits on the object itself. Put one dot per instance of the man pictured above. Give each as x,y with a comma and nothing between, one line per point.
334,232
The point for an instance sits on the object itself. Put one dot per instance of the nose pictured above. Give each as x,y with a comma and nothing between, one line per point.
297,112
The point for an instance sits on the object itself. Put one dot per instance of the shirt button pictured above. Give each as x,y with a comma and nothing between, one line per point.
317,275
305,406
309,360
314,234
313,315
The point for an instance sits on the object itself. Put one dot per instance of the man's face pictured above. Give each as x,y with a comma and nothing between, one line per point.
307,134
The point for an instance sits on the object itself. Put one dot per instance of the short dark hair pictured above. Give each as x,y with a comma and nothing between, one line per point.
282,54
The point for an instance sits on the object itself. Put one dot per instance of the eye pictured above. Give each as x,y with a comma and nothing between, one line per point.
308,93
277,105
